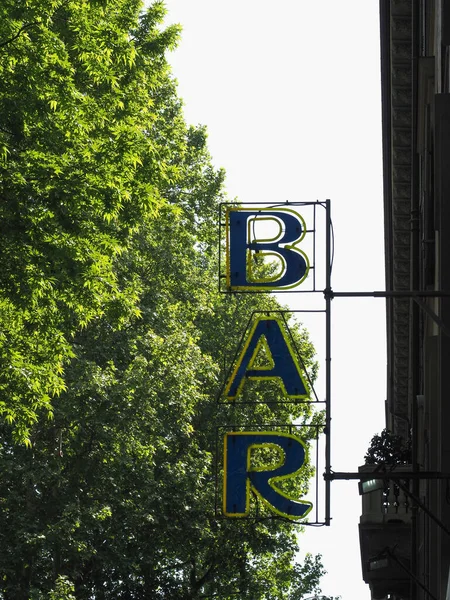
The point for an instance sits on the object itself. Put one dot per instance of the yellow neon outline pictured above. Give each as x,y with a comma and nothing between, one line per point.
277,287
275,277
249,487
257,240
227,249
269,377
260,345
288,246
280,463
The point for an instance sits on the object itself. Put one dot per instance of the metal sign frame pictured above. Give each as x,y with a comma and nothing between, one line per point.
416,296
313,288
309,232
311,433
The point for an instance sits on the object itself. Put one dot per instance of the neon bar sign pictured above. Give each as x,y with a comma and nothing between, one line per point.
243,247
267,337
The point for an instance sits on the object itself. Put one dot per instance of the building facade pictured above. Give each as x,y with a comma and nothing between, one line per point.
405,524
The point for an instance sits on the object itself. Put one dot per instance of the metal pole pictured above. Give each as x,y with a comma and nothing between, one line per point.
414,357
426,309
328,296
421,505
411,574
393,475
390,294
397,476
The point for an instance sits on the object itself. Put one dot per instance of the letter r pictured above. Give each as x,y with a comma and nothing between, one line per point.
240,478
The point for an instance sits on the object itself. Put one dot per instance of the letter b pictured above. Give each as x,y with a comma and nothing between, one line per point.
243,248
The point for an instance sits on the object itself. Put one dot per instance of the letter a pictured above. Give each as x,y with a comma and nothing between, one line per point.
240,478
267,334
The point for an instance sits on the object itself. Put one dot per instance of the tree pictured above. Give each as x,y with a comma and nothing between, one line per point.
388,448
86,111
126,467
114,327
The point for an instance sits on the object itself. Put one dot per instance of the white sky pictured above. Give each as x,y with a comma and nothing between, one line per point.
290,93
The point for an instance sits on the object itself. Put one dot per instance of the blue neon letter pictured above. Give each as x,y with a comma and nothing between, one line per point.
239,478
242,248
285,365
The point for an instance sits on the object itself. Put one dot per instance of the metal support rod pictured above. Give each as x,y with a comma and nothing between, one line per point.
393,475
397,476
425,509
415,245
413,294
411,574
439,322
388,294
328,298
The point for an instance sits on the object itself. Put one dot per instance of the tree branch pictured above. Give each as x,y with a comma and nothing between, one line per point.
21,30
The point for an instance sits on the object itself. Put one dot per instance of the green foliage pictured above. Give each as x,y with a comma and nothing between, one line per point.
388,448
86,109
63,590
114,338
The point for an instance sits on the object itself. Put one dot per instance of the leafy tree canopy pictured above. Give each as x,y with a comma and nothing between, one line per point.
114,338
87,110
388,448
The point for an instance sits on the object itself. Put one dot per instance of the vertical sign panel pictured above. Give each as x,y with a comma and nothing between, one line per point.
265,251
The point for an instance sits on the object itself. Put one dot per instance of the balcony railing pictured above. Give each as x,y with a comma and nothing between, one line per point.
384,528
387,503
